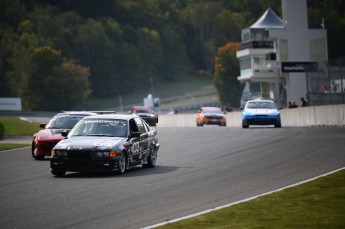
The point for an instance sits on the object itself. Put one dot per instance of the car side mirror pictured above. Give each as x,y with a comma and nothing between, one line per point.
241,108
42,125
64,134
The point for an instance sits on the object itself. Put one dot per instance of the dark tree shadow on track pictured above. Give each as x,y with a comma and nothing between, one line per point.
133,172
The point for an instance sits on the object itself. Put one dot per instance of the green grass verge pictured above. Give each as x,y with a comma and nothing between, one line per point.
316,204
15,126
7,146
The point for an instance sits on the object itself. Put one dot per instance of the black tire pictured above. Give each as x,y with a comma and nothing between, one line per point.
245,125
33,154
278,125
199,124
121,164
39,158
151,159
33,150
58,173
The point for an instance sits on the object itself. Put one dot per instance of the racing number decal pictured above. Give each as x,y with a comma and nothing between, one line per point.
135,147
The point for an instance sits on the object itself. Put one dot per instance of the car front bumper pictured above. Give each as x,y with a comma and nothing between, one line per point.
83,165
44,148
214,121
261,120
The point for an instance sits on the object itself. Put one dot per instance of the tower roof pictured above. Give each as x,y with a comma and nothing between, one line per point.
269,20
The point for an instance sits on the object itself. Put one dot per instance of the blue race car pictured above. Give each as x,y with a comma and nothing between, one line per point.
260,112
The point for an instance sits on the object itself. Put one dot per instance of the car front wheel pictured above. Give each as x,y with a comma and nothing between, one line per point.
58,173
278,125
33,153
121,166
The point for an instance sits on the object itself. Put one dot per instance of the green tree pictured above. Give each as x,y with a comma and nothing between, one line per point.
7,37
151,50
202,24
71,87
55,84
17,78
225,75
175,61
97,52
44,60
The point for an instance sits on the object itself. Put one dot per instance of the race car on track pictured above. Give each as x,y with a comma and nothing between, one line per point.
44,140
106,143
260,112
146,113
210,116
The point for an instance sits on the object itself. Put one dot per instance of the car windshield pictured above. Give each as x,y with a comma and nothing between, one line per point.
100,127
261,105
64,121
212,111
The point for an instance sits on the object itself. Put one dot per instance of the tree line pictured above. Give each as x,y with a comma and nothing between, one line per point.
56,54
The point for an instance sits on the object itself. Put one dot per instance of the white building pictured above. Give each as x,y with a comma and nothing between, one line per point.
274,53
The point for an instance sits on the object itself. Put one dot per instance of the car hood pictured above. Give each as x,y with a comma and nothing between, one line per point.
89,142
49,134
261,111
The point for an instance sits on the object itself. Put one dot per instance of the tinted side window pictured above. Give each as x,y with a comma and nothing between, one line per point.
133,126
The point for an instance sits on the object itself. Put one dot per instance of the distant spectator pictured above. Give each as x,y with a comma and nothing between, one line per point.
228,107
292,104
334,86
172,111
303,102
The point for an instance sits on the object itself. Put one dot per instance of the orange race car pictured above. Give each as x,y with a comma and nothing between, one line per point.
210,116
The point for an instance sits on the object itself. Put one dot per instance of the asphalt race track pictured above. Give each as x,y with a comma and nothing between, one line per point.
198,168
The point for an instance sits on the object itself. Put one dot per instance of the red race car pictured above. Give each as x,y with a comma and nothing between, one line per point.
50,134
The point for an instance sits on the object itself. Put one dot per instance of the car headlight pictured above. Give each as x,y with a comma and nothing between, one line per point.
106,154
59,153
102,154
275,115
247,114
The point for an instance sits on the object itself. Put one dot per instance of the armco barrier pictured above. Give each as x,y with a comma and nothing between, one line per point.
329,115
